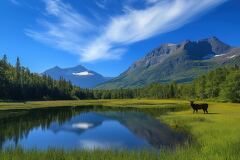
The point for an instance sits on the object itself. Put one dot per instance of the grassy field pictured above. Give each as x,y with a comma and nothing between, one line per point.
215,135
112,103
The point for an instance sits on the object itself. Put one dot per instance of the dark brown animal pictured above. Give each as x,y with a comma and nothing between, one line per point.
197,107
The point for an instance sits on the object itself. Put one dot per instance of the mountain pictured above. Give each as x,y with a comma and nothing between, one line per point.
79,76
176,62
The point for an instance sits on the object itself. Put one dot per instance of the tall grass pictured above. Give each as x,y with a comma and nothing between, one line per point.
216,135
56,154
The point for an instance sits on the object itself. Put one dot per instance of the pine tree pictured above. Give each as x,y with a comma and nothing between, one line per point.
231,87
4,59
18,70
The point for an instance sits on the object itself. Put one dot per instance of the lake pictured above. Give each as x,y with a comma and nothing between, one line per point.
90,127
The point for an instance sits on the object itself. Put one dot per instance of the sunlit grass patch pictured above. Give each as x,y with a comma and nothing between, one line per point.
216,135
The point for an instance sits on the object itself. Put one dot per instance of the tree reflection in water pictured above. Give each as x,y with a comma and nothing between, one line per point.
17,124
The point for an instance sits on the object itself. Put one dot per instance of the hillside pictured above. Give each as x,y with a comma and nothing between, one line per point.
176,62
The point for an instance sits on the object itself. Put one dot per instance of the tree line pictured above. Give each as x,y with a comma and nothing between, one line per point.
18,83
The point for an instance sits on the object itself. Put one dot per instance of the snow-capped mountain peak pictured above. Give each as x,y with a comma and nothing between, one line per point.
78,75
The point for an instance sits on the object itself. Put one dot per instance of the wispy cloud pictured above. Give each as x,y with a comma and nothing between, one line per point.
75,33
100,4
69,30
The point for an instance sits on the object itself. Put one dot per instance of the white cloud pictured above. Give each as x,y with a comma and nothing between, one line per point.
68,31
75,33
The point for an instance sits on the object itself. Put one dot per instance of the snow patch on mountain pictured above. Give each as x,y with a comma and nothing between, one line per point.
219,55
171,44
85,73
230,57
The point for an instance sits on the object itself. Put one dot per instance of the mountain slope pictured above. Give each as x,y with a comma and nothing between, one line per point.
176,62
79,76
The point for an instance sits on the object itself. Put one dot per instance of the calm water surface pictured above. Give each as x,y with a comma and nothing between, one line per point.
85,128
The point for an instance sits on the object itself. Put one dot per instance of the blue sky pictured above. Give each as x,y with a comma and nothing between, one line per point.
107,36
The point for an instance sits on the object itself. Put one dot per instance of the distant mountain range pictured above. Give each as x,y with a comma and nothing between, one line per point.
79,76
176,62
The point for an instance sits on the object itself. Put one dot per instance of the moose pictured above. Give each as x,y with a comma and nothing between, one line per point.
197,107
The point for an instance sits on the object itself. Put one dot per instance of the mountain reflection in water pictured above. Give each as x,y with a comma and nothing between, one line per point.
86,128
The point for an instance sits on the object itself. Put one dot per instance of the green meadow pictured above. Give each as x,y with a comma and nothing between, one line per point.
214,136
